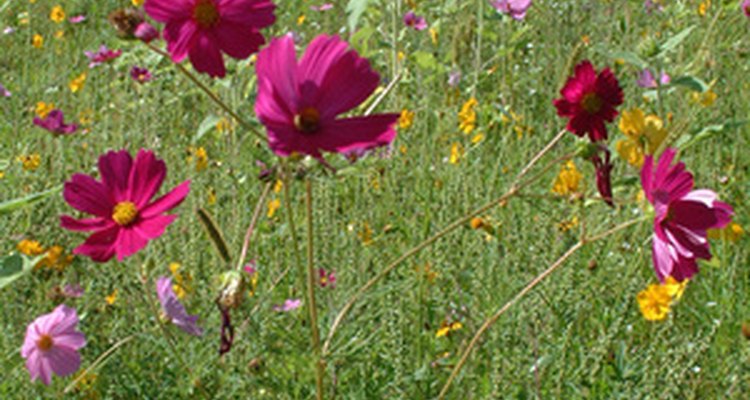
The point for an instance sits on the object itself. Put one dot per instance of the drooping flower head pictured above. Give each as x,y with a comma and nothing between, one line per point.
299,101
682,216
603,169
52,343
589,100
125,217
414,21
514,8
174,310
203,29
146,32
55,123
101,56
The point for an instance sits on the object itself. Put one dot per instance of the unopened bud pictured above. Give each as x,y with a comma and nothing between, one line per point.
232,286
146,32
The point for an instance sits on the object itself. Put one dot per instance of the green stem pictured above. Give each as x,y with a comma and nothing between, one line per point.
253,222
290,221
311,305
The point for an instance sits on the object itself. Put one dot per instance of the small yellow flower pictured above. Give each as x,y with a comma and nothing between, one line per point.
434,36
477,138
77,83
224,125
673,288
42,109
406,119
301,20
59,34
586,40
732,232
567,180
400,56
477,223
211,196
467,117
365,234
197,156
703,7
446,328
137,3
86,117
30,247
37,41
706,99
567,225
278,186
183,282
457,152
654,302
2,174
57,14
56,259
273,206
645,133
30,162
111,298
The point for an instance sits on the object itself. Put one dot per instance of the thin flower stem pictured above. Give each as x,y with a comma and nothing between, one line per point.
515,188
253,222
311,305
531,285
383,94
290,221
210,94
99,360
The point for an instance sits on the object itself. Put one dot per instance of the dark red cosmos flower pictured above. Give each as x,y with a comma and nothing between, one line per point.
589,100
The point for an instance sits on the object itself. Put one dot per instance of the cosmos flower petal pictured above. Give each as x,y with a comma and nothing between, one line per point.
83,225
100,246
146,177
356,133
63,361
167,202
256,13
129,242
153,227
227,34
166,10
277,82
179,36
86,194
114,168
206,57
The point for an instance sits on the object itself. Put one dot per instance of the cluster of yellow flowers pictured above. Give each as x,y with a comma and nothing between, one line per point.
55,257
567,180
197,156
183,281
656,300
644,134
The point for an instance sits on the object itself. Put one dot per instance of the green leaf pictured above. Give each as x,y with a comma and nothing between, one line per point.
675,40
13,205
690,82
425,60
206,125
355,9
707,132
15,266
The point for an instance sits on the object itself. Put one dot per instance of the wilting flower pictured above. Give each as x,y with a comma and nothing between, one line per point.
603,175
682,217
647,80
567,180
4,92
126,21
101,56
289,305
326,278
645,133
202,29
514,8
125,218
174,310
72,290
298,101
146,32
589,100
414,21
140,75
52,343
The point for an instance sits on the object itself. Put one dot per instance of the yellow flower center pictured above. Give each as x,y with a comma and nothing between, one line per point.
307,120
124,213
205,13
44,343
592,103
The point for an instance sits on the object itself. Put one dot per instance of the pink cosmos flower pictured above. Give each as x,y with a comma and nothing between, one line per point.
289,305
4,92
174,310
125,218
146,32
77,19
414,21
746,8
102,56
322,7
55,123
140,75
589,100
647,80
52,343
298,101
72,290
202,29
682,217
514,8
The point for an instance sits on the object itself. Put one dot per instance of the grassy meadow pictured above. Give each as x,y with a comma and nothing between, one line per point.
578,334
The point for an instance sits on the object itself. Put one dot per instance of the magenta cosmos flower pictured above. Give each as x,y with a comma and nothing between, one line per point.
298,102
55,123
52,343
682,217
746,8
589,100
414,21
101,56
202,29
125,218
174,310
514,8
140,75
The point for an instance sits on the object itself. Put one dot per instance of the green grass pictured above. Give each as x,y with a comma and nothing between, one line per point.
578,335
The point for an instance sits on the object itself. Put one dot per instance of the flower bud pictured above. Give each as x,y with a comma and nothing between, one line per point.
232,290
146,32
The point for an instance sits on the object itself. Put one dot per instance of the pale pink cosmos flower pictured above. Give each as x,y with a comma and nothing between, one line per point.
54,122
682,217
101,56
647,80
414,21
289,305
77,19
322,7
174,310
52,343
125,217
203,29
299,101
515,8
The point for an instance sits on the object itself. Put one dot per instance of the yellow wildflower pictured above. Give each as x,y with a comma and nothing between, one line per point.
406,119
273,206
703,7
400,56
30,161
477,223
645,133
111,298
56,259
211,196
732,232
183,282
37,41
673,288
224,125
365,234
86,117
457,151
2,174
137,3
446,328
477,138
301,19
567,225
567,180
467,117
278,186
57,14
434,36
706,99
59,34
199,156
42,109
654,302
30,247
77,83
